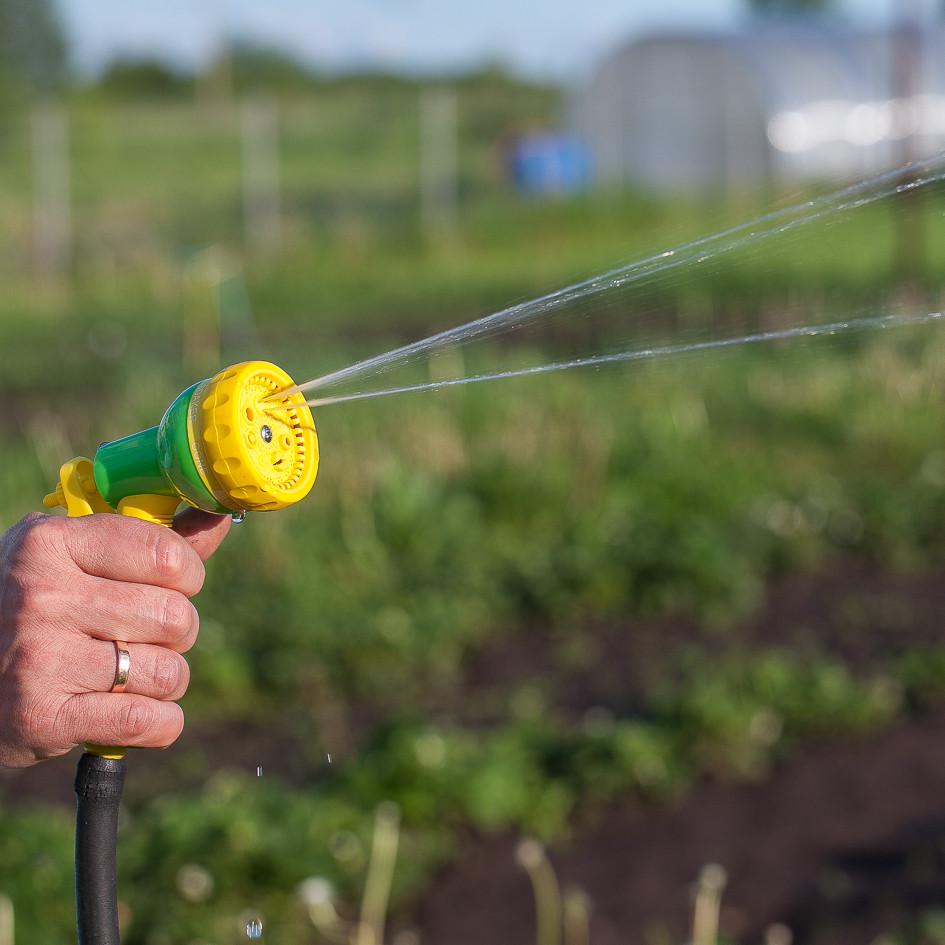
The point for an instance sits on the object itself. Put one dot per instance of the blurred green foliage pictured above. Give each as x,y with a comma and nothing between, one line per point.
428,617
442,528
144,79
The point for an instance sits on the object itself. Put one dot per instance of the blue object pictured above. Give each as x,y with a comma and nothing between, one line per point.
550,164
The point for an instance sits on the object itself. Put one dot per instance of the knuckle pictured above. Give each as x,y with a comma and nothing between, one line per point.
35,722
168,675
178,619
167,554
36,657
136,719
23,719
40,535
20,533
38,600
12,590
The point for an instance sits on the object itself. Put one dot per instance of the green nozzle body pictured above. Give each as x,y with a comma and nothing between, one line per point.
156,461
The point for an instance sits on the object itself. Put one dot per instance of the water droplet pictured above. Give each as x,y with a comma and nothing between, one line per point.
238,517
258,771
328,756
254,929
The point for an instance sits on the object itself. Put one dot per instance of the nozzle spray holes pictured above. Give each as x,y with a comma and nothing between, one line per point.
265,430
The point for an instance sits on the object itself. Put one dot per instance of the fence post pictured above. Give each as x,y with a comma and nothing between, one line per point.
262,203
6,920
439,162
52,214
200,306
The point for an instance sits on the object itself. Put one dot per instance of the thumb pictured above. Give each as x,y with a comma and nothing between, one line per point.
203,531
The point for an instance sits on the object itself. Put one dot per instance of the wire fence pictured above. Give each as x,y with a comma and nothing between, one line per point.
90,184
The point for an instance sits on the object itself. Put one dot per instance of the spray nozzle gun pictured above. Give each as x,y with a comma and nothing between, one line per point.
228,444
238,442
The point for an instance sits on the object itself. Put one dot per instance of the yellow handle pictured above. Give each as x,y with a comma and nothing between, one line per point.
77,494
159,509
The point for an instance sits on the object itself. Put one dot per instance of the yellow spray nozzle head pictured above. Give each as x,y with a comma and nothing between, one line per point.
241,441
254,451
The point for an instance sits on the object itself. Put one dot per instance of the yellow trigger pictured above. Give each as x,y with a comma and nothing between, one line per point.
76,492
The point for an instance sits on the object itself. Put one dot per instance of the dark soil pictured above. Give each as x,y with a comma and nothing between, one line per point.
840,844
851,613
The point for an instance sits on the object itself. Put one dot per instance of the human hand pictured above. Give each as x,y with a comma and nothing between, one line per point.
69,588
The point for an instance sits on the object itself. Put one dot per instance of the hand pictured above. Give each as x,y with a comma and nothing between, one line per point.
69,586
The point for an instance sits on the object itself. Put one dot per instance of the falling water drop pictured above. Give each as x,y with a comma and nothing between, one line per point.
254,929
328,756
258,771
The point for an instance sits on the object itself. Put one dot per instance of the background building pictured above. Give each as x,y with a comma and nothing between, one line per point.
773,102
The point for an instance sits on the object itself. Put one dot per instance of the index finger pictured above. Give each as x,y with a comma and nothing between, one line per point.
121,548
203,531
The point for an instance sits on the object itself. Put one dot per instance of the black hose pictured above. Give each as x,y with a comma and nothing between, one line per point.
98,786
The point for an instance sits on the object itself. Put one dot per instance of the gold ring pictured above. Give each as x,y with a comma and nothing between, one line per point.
122,667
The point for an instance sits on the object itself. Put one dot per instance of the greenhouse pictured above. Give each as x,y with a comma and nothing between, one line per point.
775,103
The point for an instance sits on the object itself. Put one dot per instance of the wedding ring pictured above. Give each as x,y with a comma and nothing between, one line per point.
122,667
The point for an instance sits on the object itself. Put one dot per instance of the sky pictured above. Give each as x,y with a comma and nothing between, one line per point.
547,38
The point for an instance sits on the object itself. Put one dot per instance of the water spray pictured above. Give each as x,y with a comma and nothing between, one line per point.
646,354
241,441
624,289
